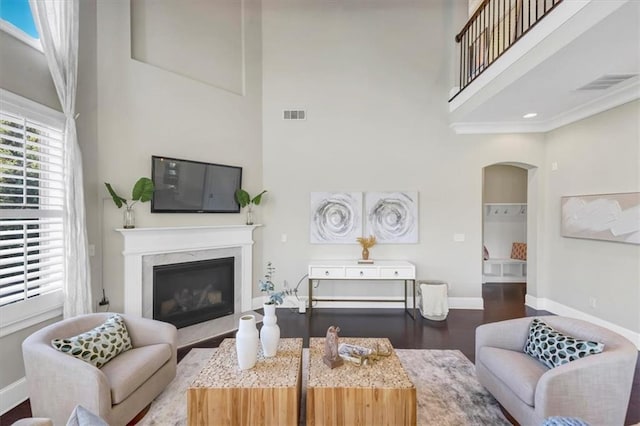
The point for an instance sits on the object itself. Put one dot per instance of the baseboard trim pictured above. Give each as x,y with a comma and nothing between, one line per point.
14,394
560,309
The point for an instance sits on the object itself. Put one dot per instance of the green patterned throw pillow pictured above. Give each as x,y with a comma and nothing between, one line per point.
553,348
100,345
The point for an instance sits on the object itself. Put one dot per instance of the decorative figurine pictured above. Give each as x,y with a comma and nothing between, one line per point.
331,357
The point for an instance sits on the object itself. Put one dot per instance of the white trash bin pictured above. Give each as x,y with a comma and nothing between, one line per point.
434,302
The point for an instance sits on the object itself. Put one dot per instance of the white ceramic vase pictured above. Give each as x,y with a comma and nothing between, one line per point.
247,342
270,332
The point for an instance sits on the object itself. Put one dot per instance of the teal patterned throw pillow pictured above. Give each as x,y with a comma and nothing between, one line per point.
100,345
553,348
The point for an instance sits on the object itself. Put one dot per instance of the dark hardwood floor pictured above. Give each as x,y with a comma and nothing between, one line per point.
501,301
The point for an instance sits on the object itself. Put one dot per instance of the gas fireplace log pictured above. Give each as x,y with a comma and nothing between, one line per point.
167,307
214,297
203,297
184,299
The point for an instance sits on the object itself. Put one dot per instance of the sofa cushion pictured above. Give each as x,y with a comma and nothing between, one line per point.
97,346
553,348
563,421
128,371
518,371
83,417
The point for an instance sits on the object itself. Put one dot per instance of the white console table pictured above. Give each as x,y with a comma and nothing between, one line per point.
395,270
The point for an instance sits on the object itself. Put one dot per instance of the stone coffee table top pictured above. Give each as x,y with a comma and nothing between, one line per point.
282,370
387,372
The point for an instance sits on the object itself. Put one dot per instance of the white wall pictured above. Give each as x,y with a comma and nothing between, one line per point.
24,71
373,77
202,41
505,184
86,106
597,155
144,110
501,232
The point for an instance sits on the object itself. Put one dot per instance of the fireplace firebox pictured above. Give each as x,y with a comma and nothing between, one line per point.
192,292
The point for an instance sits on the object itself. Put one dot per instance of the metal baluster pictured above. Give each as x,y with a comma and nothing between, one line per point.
461,66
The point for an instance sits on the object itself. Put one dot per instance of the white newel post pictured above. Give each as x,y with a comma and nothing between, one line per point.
141,242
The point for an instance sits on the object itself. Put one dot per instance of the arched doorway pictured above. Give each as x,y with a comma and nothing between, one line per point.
509,234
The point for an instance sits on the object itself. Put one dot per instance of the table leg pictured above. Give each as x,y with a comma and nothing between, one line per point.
310,296
414,298
411,313
405,294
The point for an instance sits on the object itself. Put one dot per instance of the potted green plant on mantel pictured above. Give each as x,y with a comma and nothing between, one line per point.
245,200
142,192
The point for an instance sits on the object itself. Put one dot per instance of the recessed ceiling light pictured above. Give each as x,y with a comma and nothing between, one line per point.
530,115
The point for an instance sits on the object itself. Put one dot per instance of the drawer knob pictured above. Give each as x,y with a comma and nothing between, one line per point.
361,273
395,273
326,273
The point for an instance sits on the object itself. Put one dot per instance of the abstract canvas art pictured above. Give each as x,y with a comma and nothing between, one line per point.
392,216
336,217
608,217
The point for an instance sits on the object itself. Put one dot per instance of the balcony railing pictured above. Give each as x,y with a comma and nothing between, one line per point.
494,27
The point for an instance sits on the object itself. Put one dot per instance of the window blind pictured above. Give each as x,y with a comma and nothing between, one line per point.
32,195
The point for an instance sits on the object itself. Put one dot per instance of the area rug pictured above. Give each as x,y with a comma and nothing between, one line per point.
448,392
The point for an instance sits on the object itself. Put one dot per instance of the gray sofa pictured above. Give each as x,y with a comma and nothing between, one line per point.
595,389
123,387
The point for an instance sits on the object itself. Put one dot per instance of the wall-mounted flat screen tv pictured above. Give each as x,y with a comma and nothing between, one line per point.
185,186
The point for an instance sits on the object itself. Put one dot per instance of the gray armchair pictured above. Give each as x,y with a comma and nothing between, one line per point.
123,387
595,389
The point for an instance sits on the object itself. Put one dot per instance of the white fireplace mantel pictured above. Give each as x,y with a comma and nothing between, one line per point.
140,242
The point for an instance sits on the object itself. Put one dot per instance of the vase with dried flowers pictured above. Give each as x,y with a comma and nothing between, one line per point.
366,243
270,332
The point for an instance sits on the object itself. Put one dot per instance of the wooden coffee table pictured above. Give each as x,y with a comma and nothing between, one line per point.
267,394
376,394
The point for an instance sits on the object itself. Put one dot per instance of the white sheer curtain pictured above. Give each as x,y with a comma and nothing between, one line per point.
57,23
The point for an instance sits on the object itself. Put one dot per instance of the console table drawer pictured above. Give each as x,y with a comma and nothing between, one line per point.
326,272
397,273
362,273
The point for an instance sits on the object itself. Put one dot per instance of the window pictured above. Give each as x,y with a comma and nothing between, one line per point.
31,205
16,19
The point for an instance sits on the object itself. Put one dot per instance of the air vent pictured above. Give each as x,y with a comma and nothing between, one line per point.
606,81
297,114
